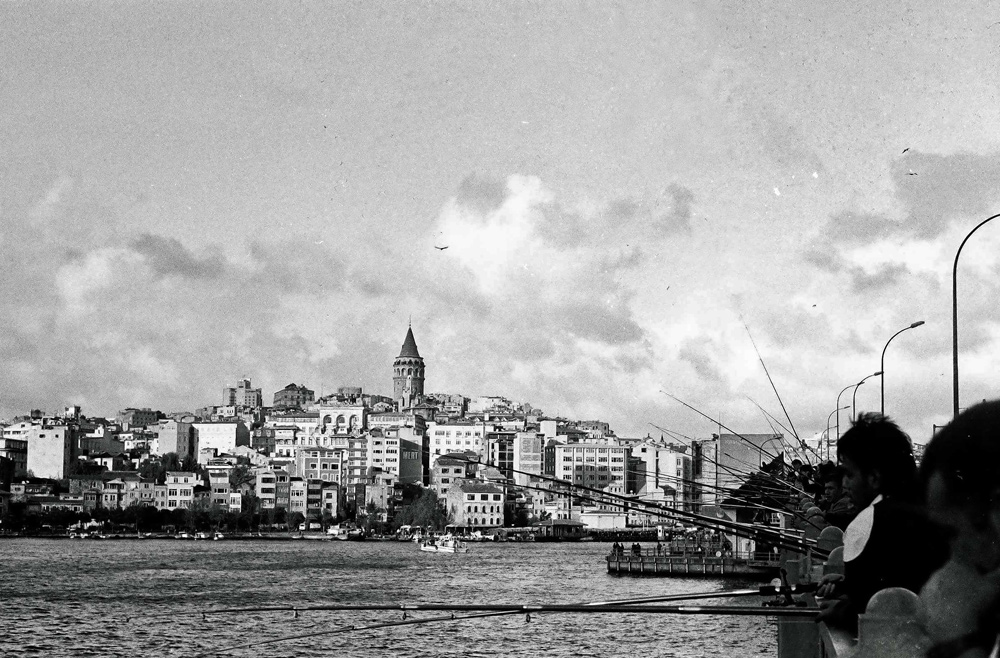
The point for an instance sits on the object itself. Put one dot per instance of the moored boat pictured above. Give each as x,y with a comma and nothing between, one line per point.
444,545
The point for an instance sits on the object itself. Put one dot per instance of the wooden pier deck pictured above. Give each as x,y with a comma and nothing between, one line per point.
651,564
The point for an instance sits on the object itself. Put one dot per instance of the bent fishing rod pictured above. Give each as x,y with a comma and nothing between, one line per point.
734,495
620,500
719,423
771,535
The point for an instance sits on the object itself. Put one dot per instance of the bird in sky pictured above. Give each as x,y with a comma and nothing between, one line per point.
440,248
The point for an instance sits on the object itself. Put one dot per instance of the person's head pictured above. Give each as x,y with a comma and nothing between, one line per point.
877,459
833,482
960,472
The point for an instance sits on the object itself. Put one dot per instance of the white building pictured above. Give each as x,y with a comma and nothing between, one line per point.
455,437
216,438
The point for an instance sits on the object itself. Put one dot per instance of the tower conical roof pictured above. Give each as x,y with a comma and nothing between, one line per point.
409,345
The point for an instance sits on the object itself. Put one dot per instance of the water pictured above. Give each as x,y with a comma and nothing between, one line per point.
145,598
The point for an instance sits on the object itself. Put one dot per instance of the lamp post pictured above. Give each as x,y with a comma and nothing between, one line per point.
954,311
835,411
854,411
839,408
882,381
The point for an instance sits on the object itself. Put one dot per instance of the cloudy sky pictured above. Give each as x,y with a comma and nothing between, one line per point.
196,192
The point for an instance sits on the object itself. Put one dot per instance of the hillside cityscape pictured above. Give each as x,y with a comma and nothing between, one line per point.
377,462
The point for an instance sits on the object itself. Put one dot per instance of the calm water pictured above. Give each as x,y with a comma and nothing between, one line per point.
145,598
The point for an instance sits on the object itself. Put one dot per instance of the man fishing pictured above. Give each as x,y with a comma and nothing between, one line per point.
962,482
880,544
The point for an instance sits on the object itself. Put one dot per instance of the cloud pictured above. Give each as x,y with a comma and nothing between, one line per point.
49,206
696,353
168,257
678,218
825,260
481,193
936,189
883,277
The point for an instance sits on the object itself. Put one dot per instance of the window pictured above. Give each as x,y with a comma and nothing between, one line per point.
484,496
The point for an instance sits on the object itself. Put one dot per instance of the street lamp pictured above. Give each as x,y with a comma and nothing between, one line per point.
839,408
854,411
835,411
954,312
882,381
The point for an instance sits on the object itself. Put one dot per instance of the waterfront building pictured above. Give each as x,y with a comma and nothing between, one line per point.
16,450
219,469
475,505
130,418
319,463
293,397
408,374
596,465
528,458
396,450
219,437
455,437
726,460
273,488
177,437
662,474
297,496
242,395
177,491
50,449
330,499
499,450
452,468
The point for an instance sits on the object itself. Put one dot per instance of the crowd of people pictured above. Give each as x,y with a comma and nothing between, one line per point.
933,530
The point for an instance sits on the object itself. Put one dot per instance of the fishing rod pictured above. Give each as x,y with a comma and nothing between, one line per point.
763,590
773,387
782,483
593,607
587,608
734,494
719,423
691,517
768,415
792,542
765,533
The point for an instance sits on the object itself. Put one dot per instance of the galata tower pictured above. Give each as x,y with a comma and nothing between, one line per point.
408,374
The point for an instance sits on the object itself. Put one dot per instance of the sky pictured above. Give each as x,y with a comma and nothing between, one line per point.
639,202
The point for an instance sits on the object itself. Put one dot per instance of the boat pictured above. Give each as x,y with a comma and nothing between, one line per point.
444,545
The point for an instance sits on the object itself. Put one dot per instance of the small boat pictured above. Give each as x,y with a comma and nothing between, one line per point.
444,545
217,536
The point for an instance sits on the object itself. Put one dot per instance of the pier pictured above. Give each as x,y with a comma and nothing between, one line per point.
650,563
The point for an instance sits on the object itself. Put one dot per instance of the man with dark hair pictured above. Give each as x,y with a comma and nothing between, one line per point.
961,475
838,510
889,543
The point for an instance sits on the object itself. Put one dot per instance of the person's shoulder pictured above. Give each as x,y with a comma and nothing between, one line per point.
858,533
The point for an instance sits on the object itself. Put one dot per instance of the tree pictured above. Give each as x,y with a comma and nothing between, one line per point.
239,476
84,467
425,511
296,519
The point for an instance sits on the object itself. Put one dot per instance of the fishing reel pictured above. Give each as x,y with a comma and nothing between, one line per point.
782,591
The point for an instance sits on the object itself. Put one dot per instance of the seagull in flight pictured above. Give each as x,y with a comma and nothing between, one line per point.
440,248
